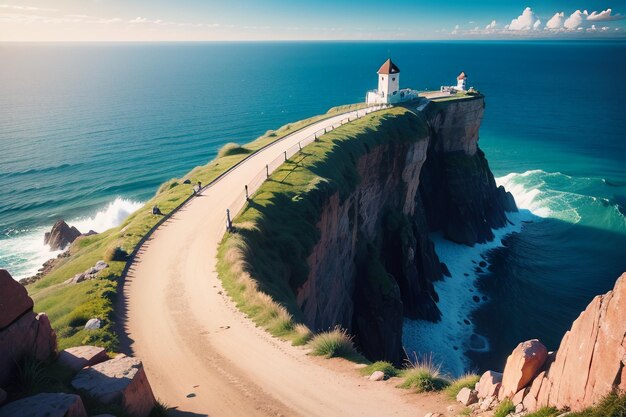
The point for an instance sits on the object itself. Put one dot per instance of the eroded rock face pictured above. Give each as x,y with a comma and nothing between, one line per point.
489,384
48,405
591,358
522,366
122,381
25,332
61,235
14,299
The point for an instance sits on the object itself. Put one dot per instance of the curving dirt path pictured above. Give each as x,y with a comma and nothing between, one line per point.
203,357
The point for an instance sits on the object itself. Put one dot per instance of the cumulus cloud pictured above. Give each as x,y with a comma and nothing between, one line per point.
491,25
526,21
576,20
556,21
456,30
604,16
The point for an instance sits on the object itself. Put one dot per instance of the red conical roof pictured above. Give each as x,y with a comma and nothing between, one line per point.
389,68
461,76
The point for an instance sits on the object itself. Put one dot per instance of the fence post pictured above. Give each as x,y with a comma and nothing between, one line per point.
315,136
267,171
229,223
247,196
299,145
285,155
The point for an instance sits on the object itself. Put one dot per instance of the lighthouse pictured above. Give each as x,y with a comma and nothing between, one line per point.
389,86
461,81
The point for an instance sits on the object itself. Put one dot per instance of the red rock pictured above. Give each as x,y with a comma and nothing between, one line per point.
14,299
122,381
530,399
590,361
30,335
76,358
489,384
518,398
48,405
467,396
522,366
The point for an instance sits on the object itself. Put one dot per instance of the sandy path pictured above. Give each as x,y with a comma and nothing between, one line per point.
203,356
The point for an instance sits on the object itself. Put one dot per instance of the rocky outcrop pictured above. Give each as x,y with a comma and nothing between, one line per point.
589,364
121,381
76,358
91,273
24,333
61,235
48,405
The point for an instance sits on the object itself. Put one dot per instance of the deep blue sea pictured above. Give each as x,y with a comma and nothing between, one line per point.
89,131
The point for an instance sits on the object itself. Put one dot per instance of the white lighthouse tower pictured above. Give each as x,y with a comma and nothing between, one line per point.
389,86
461,82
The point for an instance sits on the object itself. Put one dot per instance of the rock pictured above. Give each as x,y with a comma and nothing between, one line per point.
591,359
530,399
27,334
519,408
488,403
3,396
48,405
14,299
90,233
121,381
60,235
187,181
100,265
522,366
377,376
78,357
489,384
467,396
93,324
519,396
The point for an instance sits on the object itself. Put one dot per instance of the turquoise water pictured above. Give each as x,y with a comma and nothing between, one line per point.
88,132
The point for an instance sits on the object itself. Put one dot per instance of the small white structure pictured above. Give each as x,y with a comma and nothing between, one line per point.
389,86
461,82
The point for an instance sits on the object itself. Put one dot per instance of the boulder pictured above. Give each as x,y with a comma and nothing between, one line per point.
100,265
121,381
518,398
93,324
48,405
76,358
60,235
522,366
591,359
14,299
489,384
467,396
377,376
28,334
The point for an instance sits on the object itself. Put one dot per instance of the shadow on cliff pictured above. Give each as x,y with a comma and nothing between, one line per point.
540,281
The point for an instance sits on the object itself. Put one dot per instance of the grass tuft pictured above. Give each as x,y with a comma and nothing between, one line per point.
465,381
385,367
232,149
303,335
545,412
424,375
332,344
612,405
505,408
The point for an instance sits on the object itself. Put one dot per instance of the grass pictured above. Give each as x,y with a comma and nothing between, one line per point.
335,343
612,405
424,375
385,367
545,412
465,381
264,261
232,149
69,306
505,408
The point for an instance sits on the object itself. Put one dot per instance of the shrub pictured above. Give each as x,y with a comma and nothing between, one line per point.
385,367
465,381
424,376
505,408
303,335
334,343
115,253
232,149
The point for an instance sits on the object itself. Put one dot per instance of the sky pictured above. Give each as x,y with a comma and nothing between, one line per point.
236,20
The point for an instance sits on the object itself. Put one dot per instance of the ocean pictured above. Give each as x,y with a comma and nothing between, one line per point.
89,131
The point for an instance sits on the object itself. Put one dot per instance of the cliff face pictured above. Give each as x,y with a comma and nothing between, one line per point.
374,262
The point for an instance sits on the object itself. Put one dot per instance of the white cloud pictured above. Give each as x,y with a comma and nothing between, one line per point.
576,20
556,21
604,15
526,21
456,30
27,8
491,25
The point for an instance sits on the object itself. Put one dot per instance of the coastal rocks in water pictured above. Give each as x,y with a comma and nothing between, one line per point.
591,359
76,358
45,268
377,376
121,381
91,273
49,405
93,324
467,396
489,384
14,299
522,366
22,332
61,235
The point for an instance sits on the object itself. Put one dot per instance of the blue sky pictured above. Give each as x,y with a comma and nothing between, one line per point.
154,20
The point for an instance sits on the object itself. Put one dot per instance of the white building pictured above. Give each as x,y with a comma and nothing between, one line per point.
389,86
461,82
